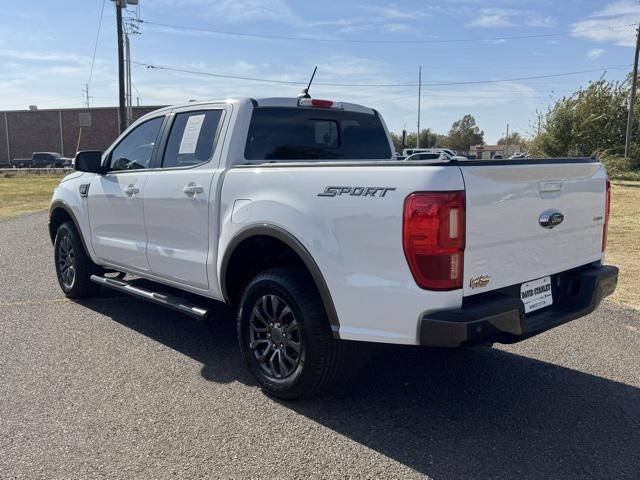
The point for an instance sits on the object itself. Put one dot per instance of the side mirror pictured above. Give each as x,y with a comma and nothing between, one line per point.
89,161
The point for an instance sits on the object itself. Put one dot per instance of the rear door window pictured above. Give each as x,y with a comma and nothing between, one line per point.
192,138
284,133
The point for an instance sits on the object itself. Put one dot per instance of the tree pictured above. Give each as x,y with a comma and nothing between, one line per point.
464,133
514,139
397,141
591,120
428,138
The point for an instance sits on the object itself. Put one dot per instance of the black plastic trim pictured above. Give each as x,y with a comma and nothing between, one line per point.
300,250
60,204
524,161
500,317
402,163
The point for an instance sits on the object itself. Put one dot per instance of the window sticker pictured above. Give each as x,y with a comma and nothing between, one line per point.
191,134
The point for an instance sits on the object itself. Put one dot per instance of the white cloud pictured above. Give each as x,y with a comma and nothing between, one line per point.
509,17
622,7
613,24
490,18
42,56
392,11
534,21
596,53
397,27
243,10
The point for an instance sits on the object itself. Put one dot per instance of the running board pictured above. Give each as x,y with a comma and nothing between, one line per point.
170,301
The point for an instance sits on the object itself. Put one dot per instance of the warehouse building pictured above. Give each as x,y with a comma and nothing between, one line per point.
66,131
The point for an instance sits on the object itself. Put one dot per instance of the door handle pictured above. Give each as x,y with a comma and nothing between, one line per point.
131,190
191,189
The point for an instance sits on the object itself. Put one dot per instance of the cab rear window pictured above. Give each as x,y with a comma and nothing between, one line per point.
282,133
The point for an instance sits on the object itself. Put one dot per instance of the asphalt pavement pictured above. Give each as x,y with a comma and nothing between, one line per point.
117,388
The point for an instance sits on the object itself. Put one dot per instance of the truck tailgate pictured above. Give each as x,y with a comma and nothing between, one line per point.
506,243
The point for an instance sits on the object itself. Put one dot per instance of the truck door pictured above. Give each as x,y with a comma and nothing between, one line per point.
115,199
179,200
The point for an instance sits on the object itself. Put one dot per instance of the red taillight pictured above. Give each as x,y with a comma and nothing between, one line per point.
607,213
317,103
321,103
433,234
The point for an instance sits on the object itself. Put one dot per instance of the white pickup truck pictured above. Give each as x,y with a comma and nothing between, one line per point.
296,213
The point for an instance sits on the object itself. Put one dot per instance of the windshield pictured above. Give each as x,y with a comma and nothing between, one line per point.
279,133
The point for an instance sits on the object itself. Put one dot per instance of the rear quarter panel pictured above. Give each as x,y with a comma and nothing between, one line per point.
356,241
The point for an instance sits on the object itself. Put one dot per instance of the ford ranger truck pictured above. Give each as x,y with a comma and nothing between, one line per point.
295,212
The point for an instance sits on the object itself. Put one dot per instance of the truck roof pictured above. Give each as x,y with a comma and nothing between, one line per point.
269,102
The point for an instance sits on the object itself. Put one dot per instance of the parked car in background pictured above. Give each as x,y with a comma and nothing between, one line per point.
453,155
48,160
407,152
21,163
433,156
42,160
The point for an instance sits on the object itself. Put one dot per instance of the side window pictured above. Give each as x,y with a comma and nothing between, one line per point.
134,151
192,138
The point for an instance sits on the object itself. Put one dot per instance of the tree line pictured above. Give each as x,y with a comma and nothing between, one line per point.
590,122
461,136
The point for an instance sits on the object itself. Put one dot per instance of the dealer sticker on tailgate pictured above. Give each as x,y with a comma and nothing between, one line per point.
536,294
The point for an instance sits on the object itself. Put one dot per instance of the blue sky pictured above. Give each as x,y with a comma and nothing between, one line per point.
46,50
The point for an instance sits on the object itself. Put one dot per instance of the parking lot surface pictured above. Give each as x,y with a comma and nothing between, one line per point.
114,387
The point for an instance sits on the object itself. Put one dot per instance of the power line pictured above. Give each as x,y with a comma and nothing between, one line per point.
95,47
376,85
377,41
52,100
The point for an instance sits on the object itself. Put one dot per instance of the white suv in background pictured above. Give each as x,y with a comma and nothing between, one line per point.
407,152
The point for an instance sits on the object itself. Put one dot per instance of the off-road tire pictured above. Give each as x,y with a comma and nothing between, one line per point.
320,355
67,243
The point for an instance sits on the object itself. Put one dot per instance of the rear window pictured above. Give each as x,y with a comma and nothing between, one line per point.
279,133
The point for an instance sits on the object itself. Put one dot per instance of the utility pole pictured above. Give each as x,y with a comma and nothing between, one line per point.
86,93
122,112
507,151
128,78
419,102
539,121
632,96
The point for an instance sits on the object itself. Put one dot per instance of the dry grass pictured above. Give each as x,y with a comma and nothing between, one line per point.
25,193
623,245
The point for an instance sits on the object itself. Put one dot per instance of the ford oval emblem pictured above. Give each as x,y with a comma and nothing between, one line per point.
550,218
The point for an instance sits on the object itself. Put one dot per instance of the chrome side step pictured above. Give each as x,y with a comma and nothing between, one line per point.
166,300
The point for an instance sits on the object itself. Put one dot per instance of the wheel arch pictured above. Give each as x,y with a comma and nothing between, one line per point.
276,234
60,212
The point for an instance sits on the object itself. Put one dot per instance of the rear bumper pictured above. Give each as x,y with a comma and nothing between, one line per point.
500,317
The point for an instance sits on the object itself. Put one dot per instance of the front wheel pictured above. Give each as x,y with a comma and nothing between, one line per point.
73,265
284,335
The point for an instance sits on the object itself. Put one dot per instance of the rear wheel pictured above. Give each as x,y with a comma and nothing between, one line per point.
73,265
284,335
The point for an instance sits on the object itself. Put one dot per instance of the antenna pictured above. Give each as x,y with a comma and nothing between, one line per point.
304,93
